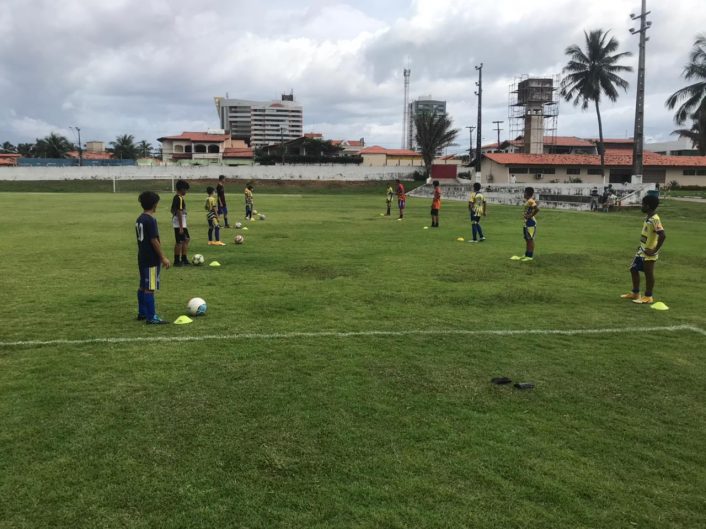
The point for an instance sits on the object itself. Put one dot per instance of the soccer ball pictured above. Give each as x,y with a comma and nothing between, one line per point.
238,225
254,212
239,239
196,307
262,216
197,259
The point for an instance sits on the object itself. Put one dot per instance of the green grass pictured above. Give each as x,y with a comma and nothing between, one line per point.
358,431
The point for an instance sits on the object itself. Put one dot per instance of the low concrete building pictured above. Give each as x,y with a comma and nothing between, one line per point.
560,168
377,156
195,148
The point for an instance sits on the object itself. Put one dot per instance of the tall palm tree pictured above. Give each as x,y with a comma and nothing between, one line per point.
124,147
53,146
8,147
593,73
692,97
697,133
144,149
434,133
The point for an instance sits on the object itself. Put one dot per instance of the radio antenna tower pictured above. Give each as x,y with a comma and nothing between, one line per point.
405,114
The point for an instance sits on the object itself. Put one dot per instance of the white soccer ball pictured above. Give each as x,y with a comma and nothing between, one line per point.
262,216
254,212
197,259
196,307
238,225
239,239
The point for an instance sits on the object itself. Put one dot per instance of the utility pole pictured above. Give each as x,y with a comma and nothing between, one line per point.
470,144
80,148
498,129
281,141
479,93
639,135
406,114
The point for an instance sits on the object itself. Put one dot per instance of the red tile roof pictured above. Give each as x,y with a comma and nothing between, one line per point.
355,143
88,155
376,149
237,152
10,155
559,141
313,135
197,136
614,158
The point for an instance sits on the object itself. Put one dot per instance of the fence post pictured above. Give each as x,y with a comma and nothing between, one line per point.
113,182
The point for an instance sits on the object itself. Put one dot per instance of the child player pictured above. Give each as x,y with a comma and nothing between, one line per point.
651,241
435,205
529,211
181,232
248,202
388,198
149,258
477,208
221,192
212,217
401,198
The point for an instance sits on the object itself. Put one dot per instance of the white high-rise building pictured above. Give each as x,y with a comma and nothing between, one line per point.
261,123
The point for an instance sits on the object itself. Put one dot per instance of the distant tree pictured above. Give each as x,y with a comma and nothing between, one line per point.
124,147
697,133
593,73
26,149
434,133
8,147
52,146
692,97
144,149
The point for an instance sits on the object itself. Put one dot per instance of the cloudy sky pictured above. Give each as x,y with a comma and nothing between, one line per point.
152,67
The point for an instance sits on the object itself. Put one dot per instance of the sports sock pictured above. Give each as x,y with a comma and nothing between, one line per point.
648,294
177,258
149,305
140,303
474,228
184,259
210,234
529,254
218,233
480,231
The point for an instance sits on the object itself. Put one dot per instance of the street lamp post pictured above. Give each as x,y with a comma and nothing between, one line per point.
470,144
479,93
498,129
80,149
281,144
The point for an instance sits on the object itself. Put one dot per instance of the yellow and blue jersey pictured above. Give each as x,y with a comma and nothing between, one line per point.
528,212
211,206
248,197
390,193
477,203
649,237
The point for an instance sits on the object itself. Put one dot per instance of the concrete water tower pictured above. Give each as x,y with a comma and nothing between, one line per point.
534,107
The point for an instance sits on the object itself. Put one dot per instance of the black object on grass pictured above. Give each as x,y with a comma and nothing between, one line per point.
500,380
524,385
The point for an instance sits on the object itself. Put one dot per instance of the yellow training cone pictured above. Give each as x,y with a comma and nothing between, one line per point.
659,306
182,320
426,227
515,258
382,214
214,263
245,227
460,239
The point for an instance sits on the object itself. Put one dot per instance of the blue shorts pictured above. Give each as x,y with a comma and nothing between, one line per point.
248,211
222,210
638,264
530,229
475,218
401,204
149,277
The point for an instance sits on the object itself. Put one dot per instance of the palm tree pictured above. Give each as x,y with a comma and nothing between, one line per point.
53,146
593,73
434,133
697,133
8,147
693,97
144,149
124,147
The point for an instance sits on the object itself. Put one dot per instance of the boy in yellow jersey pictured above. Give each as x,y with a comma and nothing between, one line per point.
248,202
529,211
390,194
476,206
214,224
651,241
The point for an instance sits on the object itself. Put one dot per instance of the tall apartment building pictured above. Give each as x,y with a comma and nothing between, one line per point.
419,106
261,123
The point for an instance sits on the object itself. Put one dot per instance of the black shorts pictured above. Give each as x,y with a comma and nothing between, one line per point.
181,237
434,211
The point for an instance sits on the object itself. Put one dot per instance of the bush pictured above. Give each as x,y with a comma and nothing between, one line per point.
673,185
419,176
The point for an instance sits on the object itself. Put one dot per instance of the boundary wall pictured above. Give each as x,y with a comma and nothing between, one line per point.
341,173
558,196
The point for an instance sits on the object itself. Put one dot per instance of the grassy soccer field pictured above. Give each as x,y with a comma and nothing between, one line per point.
341,377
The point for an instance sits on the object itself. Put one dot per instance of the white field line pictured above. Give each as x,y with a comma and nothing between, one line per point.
353,334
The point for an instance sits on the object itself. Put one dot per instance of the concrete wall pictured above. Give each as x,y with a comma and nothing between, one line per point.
259,172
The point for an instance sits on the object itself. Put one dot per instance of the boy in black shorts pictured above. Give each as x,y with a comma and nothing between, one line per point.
181,232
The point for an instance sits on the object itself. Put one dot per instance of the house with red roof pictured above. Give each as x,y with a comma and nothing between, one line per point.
202,148
548,168
376,156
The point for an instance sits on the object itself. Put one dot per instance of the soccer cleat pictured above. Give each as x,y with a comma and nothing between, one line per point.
630,295
526,259
141,317
156,320
482,239
219,243
473,240
186,263
646,300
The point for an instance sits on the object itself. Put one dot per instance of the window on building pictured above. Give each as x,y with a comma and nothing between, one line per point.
200,148
187,148
573,170
546,170
701,172
689,172
519,170
213,149
178,148
594,171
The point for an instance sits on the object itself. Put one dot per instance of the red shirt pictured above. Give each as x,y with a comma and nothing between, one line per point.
436,202
400,192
